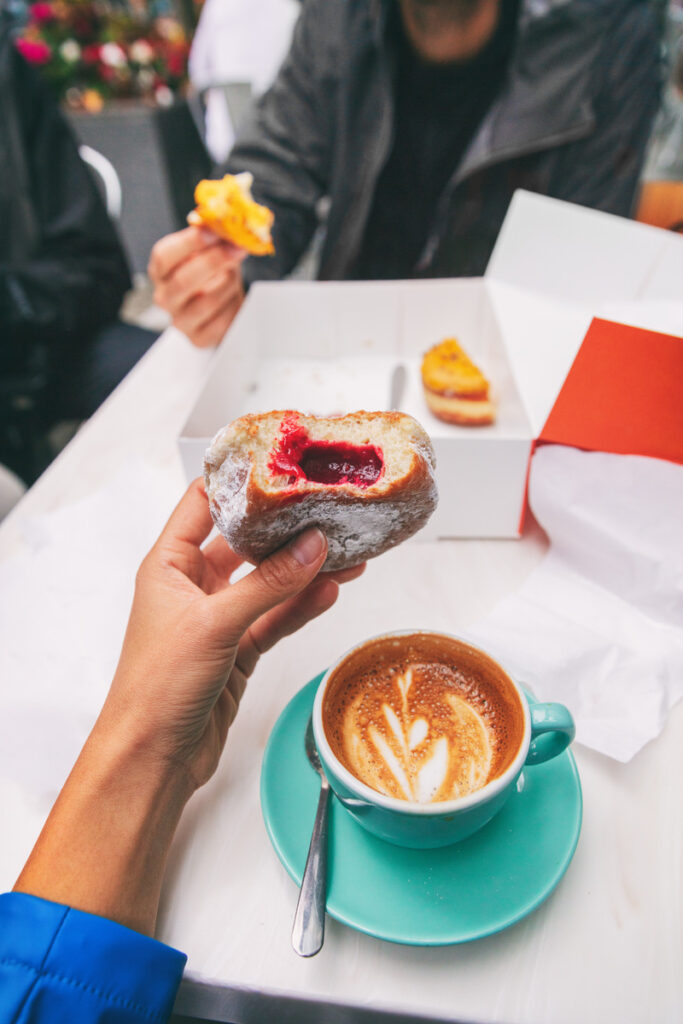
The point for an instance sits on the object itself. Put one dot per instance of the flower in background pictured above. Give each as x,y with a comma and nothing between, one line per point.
42,12
70,51
170,29
104,50
35,51
92,101
141,52
164,96
175,62
91,53
146,80
113,55
60,10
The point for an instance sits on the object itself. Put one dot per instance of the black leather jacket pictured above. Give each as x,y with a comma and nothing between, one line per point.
572,122
63,272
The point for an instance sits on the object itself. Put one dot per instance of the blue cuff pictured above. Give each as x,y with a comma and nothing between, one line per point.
63,966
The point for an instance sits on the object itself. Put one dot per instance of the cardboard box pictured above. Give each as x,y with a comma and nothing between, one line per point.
330,347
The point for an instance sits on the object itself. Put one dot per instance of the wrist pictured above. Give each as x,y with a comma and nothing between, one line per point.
103,848
136,754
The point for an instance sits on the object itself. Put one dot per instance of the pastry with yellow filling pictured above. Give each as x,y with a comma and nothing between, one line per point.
227,208
455,389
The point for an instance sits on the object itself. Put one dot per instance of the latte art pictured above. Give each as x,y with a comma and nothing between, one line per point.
417,729
417,752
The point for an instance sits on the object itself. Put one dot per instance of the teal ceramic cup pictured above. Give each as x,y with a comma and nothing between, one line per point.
536,734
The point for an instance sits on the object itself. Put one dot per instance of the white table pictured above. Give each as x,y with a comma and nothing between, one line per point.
606,946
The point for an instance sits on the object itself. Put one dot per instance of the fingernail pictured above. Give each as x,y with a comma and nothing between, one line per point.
308,547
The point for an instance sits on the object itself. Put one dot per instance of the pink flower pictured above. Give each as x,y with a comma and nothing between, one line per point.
42,12
34,51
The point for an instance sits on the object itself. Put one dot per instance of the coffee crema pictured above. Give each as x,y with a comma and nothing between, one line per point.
423,718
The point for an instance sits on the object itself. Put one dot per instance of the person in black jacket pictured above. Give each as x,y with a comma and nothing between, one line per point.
417,120
63,273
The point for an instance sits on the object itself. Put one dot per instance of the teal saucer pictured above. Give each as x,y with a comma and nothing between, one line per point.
423,897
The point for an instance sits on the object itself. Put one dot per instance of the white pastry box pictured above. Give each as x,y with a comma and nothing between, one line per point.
333,347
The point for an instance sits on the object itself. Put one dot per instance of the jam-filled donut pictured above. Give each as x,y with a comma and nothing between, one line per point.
366,479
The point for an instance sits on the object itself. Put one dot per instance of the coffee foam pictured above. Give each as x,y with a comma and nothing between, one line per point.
422,718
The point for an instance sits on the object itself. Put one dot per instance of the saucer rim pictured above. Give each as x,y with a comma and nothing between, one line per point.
473,934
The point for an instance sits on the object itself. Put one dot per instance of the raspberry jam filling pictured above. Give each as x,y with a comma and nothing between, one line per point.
341,464
323,462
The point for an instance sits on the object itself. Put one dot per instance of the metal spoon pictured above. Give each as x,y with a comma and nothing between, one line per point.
308,932
397,384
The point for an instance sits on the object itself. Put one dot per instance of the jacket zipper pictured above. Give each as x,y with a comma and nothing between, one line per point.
463,173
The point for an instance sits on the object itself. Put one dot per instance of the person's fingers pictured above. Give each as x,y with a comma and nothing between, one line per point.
205,307
283,620
190,522
205,318
212,331
237,253
346,575
224,562
279,577
293,614
225,278
221,558
200,274
172,249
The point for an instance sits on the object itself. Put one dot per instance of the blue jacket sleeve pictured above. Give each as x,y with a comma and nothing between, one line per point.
63,966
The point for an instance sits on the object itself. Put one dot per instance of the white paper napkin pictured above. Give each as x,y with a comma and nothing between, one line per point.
63,612
599,624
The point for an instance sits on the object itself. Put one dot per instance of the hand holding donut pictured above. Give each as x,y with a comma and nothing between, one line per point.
192,641
194,638
198,280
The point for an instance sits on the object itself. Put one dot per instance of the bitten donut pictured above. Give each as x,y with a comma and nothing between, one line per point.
227,208
366,479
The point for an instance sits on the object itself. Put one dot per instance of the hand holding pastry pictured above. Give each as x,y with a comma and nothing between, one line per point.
193,639
198,280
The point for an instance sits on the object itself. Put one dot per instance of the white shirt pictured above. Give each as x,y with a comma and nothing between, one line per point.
237,41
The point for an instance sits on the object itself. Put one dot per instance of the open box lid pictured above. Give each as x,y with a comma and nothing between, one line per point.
622,394
557,265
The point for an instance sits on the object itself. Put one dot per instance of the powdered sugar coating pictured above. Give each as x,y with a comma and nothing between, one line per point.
358,524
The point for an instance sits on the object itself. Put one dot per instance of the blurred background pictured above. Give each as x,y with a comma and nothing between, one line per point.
158,89
155,93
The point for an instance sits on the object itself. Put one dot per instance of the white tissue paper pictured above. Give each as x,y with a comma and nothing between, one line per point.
599,624
63,611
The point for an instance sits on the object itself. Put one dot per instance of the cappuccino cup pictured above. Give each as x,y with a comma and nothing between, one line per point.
423,736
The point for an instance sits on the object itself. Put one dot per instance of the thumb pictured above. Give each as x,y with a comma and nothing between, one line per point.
280,576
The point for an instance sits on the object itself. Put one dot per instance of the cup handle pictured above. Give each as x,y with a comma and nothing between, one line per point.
552,730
